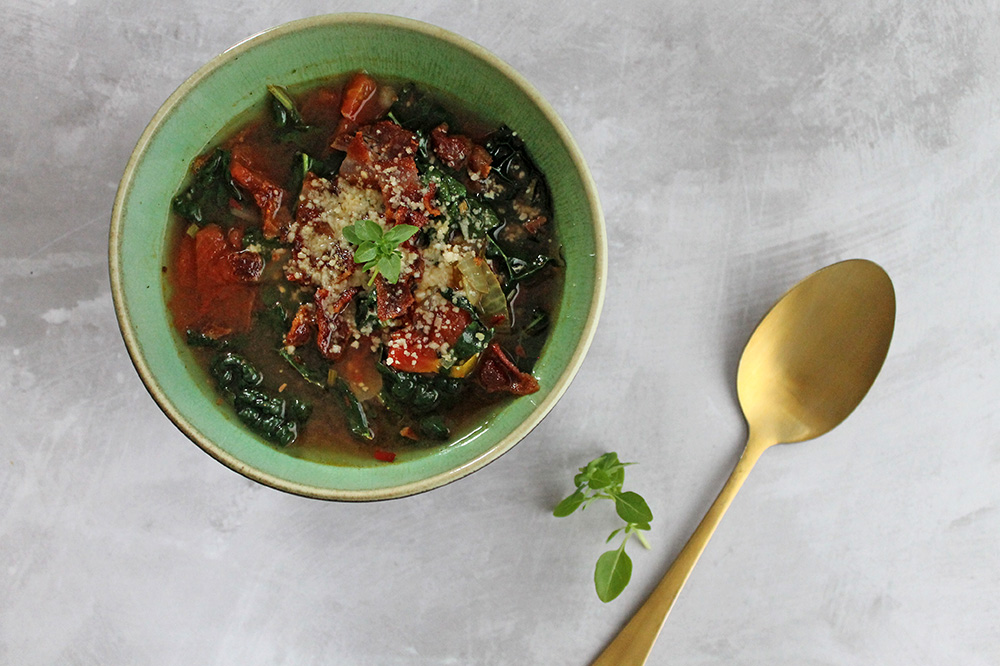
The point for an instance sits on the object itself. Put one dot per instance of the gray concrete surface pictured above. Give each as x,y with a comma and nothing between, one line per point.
737,147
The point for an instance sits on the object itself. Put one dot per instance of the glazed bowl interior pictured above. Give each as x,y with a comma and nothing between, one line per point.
228,88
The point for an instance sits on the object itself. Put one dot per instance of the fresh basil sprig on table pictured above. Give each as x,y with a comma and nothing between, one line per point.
602,478
378,251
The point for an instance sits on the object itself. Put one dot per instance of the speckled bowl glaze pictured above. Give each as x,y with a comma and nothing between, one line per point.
232,83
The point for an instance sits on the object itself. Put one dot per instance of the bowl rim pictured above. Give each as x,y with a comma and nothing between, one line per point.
421,485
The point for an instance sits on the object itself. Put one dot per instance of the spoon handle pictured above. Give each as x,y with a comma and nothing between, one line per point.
632,645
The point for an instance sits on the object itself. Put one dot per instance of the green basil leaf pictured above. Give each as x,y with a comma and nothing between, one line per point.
366,252
569,505
400,233
368,230
612,574
600,479
351,235
607,461
632,508
389,267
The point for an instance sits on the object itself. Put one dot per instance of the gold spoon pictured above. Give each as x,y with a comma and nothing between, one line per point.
806,367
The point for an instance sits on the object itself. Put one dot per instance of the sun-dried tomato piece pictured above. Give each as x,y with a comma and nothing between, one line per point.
381,156
268,197
480,161
332,331
460,152
303,326
453,150
247,266
393,300
535,224
215,283
359,93
496,372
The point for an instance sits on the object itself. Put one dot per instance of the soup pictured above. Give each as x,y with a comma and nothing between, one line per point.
363,267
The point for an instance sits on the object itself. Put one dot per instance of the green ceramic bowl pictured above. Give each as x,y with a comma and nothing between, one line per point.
301,52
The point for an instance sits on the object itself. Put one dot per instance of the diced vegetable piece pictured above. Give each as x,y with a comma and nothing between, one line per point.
357,367
464,369
411,350
480,279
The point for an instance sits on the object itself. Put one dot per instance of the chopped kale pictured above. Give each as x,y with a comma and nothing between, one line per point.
283,110
198,339
366,312
273,418
254,236
514,170
531,339
433,427
354,411
417,393
415,110
207,198
474,339
311,372
519,262
465,214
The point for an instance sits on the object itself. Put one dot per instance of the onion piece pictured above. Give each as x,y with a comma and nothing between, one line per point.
479,279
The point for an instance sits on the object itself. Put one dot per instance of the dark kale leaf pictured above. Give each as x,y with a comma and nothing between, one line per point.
433,427
466,215
531,339
417,393
198,339
518,261
474,339
366,311
313,373
354,411
273,418
286,116
207,198
514,170
415,110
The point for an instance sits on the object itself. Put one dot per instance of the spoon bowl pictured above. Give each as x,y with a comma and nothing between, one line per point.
816,353
808,364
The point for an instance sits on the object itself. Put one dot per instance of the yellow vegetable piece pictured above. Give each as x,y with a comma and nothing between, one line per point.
463,370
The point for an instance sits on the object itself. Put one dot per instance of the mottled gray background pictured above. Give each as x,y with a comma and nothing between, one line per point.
737,146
